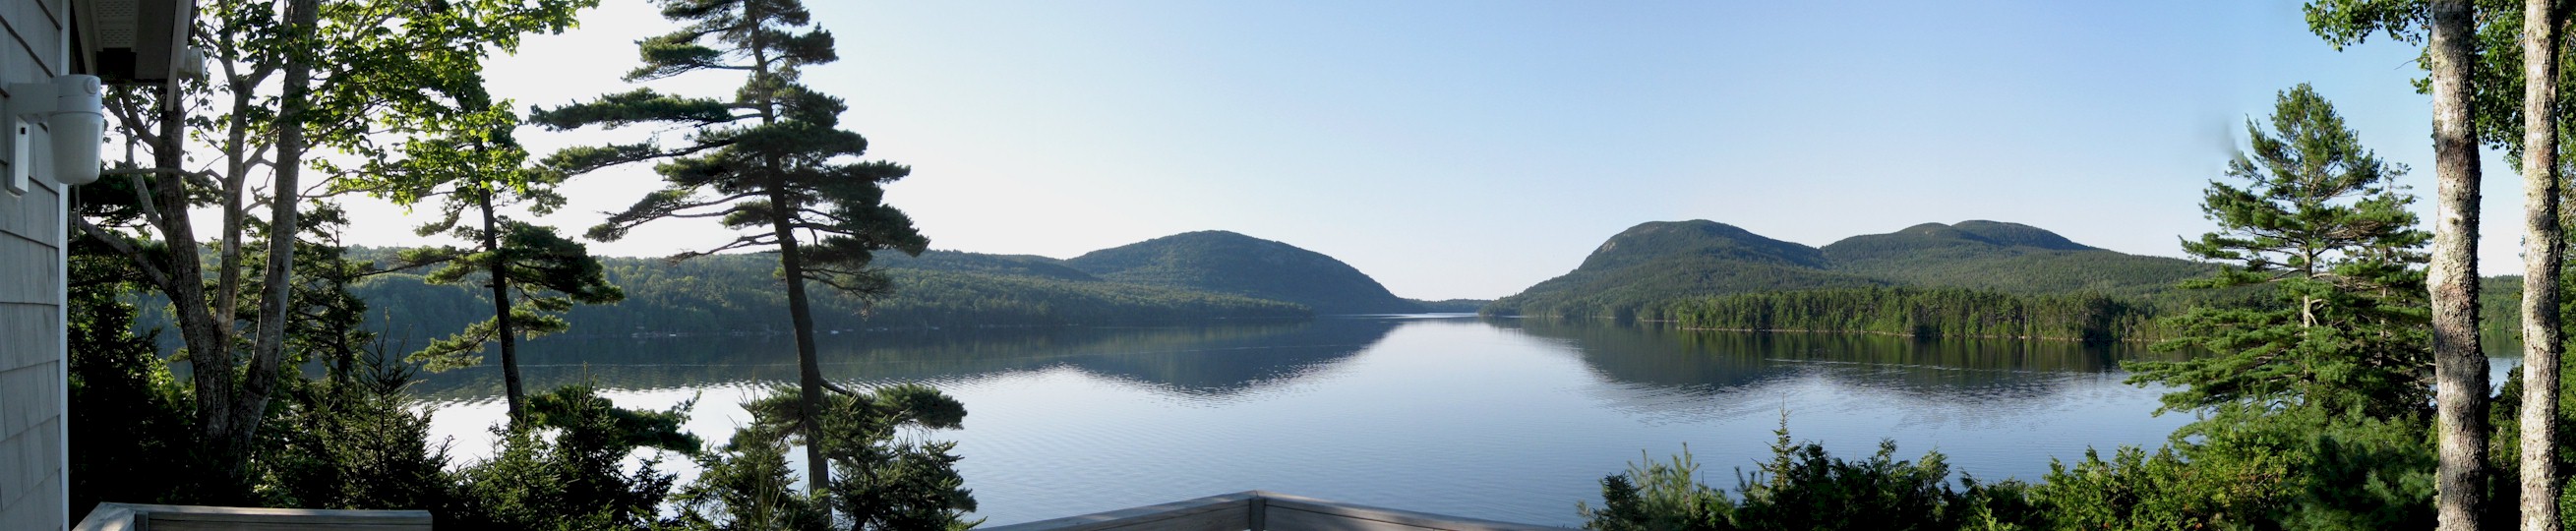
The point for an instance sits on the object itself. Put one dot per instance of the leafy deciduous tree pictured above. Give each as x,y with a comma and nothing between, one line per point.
291,77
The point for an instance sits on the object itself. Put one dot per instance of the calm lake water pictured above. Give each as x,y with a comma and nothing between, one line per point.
1501,419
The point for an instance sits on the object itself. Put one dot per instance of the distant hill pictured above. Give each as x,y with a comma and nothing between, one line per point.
1661,239
739,293
2005,257
1199,276
1663,260
1639,271
1226,262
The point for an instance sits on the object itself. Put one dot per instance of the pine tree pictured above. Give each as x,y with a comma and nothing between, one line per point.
770,160
2318,220
475,163
541,275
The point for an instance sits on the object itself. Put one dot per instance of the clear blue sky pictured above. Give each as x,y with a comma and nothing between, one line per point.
1472,148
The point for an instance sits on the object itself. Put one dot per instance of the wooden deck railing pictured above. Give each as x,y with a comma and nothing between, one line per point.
1264,511
140,517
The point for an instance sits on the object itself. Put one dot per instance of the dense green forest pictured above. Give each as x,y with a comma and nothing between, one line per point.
2500,313
2005,257
1641,272
734,293
1924,312
1453,305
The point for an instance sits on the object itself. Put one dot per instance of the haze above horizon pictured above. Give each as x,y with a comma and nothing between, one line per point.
1456,149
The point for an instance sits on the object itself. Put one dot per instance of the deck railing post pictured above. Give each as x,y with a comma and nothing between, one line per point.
1257,516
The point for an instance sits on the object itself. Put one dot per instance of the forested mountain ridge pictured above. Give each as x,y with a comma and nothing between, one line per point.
1001,264
1659,239
1964,236
1664,260
733,293
1226,262
2006,257
1642,270
1150,282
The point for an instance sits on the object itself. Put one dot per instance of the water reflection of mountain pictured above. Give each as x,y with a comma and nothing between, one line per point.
1709,363
1205,360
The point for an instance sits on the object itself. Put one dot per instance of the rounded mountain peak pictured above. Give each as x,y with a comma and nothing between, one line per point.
1229,262
2018,235
1975,233
1653,239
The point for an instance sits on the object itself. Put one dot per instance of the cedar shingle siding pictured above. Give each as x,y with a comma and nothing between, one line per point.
31,298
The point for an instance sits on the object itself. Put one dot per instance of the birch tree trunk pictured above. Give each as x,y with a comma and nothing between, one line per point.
2459,366
2542,256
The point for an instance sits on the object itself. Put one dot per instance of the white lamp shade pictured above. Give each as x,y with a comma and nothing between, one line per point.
76,125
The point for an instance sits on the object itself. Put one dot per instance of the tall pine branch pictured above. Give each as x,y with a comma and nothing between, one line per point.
770,160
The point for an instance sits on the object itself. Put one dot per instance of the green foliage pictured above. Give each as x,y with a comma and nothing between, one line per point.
2134,490
565,471
1660,496
2319,224
129,417
2505,416
1226,262
358,442
547,273
1924,313
328,325
2314,403
771,160
2496,75
1803,487
2299,469
881,480
382,66
746,485
2304,468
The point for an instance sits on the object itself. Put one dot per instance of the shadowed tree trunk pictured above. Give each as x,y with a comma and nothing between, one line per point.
2542,256
809,369
499,267
2459,367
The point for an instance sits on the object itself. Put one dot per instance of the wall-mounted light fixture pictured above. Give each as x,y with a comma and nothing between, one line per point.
68,107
